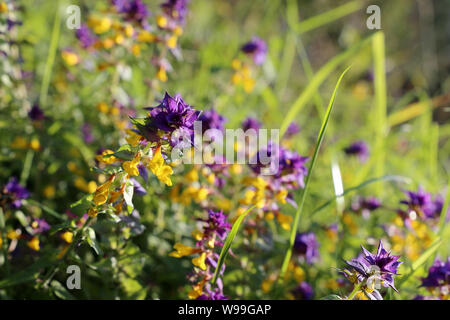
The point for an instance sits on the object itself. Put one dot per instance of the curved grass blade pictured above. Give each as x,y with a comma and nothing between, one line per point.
308,177
318,79
228,241
360,186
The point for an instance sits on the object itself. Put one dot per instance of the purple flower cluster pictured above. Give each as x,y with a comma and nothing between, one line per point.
134,10
374,268
366,205
423,203
251,123
257,49
40,226
307,247
36,113
85,36
287,167
13,194
216,224
359,149
303,291
176,10
438,274
171,115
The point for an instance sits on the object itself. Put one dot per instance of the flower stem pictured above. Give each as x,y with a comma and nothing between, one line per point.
355,290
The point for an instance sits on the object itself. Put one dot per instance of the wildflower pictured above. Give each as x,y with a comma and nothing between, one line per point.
87,133
67,236
134,10
284,220
303,291
100,25
307,247
251,123
40,226
257,49
292,130
211,119
421,202
101,194
93,212
182,250
70,57
138,188
3,7
106,157
438,279
359,149
366,205
159,169
370,269
131,166
200,261
36,113
176,10
85,36
14,193
34,244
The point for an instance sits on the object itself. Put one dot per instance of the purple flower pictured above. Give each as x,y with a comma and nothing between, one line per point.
251,123
40,226
366,205
135,10
257,48
211,119
380,266
422,203
85,36
14,193
172,114
87,133
287,167
292,130
307,247
36,113
216,223
176,9
438,274
359,149
303,291
138,188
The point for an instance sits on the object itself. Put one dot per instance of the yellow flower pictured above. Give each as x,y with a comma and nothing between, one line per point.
133,138
93,212
192,175
281,196
101,194
172,42
108,43
299,274
159,169
129,31
35,144
200,261
49,191
19,143
161,74
131,166
70,58
236,64
3,7
136,50
197,290
161,21
197,235
178,31
284,220
119,38
100,25
1,240
67,236
34,244
13,234
103,157
145,36
102,107
182,250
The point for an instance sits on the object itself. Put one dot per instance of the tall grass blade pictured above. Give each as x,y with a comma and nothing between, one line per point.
228,242
308,177
380,119
320,76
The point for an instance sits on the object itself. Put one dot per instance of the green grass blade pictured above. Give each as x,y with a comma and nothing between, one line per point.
228,242
360,186
327,17
50,57
380,120
421,260
308,177
320,76
444,210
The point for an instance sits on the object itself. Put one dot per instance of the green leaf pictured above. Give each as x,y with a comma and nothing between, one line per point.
83,204
61,292
128,197
28,274
91,240
138,121
308,178
228,242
